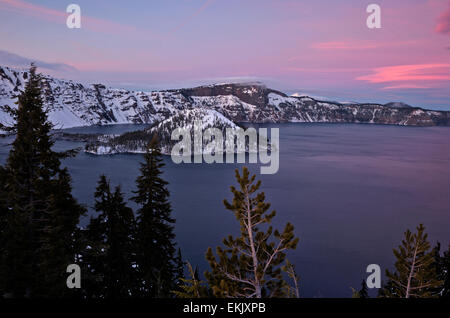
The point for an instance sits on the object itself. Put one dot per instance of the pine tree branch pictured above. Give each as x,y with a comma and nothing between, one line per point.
398,283
237,279
276,251
421,286
242,251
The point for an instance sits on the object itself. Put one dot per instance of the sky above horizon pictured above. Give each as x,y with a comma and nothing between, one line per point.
322,48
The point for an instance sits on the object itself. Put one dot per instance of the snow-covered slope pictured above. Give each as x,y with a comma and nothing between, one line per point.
72,104
195,120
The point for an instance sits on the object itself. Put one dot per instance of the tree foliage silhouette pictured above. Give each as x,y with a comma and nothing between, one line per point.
40,215
109,252
157,262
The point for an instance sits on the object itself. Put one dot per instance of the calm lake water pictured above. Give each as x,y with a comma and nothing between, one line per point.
350,191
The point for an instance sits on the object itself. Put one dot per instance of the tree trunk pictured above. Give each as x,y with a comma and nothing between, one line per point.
411,273
252,246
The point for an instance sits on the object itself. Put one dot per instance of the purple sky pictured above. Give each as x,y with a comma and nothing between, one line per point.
320,47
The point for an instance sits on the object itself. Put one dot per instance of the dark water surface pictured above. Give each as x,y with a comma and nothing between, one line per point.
350,191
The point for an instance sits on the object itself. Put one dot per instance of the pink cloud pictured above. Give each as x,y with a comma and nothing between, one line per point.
443,25
342,45
358,45
325,70
408,73
406,86
51,15
409,76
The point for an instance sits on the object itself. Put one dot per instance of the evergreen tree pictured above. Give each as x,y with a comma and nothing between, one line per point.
251,264
193,287
3,223
415,275
60,246
179,271
155,247
108,258
41,214
443,271
363,292
291,291
355,293
387,290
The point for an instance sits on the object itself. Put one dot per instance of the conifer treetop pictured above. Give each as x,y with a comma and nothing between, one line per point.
415,271
251,265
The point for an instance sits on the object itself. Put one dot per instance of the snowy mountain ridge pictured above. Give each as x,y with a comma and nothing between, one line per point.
72,104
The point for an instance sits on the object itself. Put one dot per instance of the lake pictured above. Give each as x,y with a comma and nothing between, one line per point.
350,190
